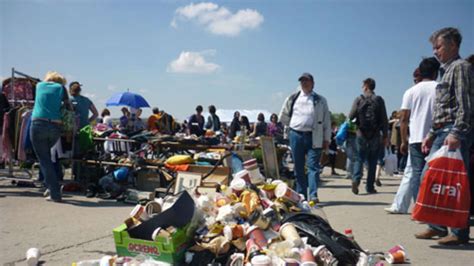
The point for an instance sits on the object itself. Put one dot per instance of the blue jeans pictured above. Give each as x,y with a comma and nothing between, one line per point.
440,135
43,137
402,200
366,150
350,153
417,159
301,144
57,168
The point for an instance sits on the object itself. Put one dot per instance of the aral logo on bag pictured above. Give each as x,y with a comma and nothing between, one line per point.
451,191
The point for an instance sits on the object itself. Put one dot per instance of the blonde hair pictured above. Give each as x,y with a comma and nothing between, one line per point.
53,76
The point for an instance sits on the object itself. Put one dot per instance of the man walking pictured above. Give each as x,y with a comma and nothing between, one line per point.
306,113
371,118
417,110
453,116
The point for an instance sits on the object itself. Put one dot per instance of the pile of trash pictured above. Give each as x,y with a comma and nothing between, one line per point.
250,222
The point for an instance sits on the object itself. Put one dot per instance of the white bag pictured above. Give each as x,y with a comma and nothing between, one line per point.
391,162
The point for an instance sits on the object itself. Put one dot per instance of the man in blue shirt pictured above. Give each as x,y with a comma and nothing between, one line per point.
82,105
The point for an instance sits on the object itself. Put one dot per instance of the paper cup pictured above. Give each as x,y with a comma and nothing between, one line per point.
232,232
256,218
288,232
255,233
307,255
32,256
261,260
283,191
156,233
266,203
243,174
238,185
396,248
250,163
152,207
137,211
291,262
396,257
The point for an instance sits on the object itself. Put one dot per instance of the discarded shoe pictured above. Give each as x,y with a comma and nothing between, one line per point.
430,233
452,240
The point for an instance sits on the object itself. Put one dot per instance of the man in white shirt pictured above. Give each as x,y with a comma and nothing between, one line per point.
306,113
417,109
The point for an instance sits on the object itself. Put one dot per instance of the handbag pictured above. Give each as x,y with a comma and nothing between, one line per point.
444,196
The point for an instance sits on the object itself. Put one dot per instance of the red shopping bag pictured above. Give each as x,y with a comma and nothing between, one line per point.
444,192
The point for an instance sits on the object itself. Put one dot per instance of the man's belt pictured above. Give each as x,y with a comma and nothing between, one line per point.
301,132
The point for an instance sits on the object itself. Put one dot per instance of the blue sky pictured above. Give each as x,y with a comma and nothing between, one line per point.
233,54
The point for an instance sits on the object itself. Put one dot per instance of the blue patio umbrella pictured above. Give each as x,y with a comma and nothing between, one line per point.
128,99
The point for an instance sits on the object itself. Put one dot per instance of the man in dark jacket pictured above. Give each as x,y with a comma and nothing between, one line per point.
371,118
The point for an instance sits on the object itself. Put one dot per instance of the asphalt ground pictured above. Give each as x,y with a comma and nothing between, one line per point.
81,228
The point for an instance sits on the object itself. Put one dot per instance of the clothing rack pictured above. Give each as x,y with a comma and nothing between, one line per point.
11,169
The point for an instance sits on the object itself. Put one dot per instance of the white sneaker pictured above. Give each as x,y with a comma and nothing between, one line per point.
389,210
47,192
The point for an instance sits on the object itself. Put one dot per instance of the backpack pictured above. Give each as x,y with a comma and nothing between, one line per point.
367,116
319,232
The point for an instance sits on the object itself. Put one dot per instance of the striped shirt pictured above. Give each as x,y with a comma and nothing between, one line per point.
454,103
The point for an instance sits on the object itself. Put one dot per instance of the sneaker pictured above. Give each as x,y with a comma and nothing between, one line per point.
47,192
452,240
315,200
377,182
105,195
430,233
389,210
48,198
371,191
355,188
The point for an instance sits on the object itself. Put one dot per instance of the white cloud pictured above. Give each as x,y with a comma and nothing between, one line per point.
193,62
143,90
218,20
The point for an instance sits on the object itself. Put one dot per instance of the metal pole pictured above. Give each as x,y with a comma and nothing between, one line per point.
10,161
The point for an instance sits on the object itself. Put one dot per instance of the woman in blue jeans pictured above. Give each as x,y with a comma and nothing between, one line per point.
46,125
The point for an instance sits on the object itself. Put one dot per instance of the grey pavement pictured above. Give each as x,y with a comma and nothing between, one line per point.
81,228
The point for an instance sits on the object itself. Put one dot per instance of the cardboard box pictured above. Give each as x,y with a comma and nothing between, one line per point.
220,176
341,159
147,180
138,239
167,249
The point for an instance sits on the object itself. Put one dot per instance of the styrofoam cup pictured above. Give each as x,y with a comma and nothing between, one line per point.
32,256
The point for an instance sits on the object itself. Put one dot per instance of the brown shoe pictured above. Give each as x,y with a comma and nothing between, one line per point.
430,233
452,240
355,188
